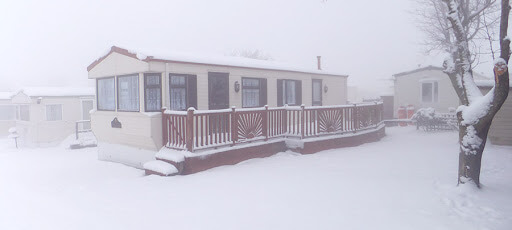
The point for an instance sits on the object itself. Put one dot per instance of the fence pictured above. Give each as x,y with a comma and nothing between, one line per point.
195,130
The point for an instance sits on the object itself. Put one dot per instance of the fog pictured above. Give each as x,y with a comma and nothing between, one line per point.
52,42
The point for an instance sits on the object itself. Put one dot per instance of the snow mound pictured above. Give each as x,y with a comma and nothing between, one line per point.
170,155
161,167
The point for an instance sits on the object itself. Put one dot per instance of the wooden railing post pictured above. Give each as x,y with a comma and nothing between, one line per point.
265,122
302,121
165,128
355,118
234,126
285,119
190,130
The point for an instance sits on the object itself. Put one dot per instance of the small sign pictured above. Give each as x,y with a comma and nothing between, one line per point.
115,123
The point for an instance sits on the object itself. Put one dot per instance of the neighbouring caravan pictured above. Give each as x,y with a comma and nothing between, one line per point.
426,87
47,115
8,113
131,90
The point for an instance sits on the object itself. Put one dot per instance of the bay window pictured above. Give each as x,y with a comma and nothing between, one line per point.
128,93
106,94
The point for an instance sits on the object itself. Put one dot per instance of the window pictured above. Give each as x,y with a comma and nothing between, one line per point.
7,112
317,92
153,92
254,92
183,91
289,92
429,92
105,94
53,112
24,113
128,93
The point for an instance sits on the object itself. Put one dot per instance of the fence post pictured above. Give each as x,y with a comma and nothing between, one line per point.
76,130
302,121
265,122
165,127
355,118
234,126
190,130
285,119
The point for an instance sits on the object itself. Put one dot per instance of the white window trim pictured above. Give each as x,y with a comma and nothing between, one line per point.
61,111
429,81
82,106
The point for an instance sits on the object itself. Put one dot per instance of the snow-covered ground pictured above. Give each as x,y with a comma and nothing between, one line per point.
406,181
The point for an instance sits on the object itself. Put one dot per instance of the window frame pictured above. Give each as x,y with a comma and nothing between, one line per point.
97,95
117,92
185,86
313,92
434,89
152,86
61,112
259,88
285,92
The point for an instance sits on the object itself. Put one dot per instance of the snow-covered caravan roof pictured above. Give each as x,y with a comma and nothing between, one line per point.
476,75
58,91
217,60
6,95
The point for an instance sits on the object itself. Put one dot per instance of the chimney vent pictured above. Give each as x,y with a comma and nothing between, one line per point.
319,62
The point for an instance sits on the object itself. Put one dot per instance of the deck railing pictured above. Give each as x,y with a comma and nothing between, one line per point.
197,129
82,126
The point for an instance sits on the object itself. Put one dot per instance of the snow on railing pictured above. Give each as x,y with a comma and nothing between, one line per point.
200,129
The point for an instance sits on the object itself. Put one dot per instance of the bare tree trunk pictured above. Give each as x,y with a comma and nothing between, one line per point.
473,129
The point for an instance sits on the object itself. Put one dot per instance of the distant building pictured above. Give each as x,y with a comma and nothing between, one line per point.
8,113
426,87
45,114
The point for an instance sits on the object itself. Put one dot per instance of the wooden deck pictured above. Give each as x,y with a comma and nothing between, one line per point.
226,137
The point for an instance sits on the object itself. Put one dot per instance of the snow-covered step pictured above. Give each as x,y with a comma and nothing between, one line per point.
161,168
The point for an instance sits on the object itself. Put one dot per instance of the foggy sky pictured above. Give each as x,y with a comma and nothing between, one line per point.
52,42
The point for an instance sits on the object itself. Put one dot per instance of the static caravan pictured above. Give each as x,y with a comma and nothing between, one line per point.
132,88
47,115
426,87
8,113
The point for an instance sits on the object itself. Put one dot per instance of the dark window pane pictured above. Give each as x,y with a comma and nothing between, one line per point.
178,92
153,95
426,92
436,92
